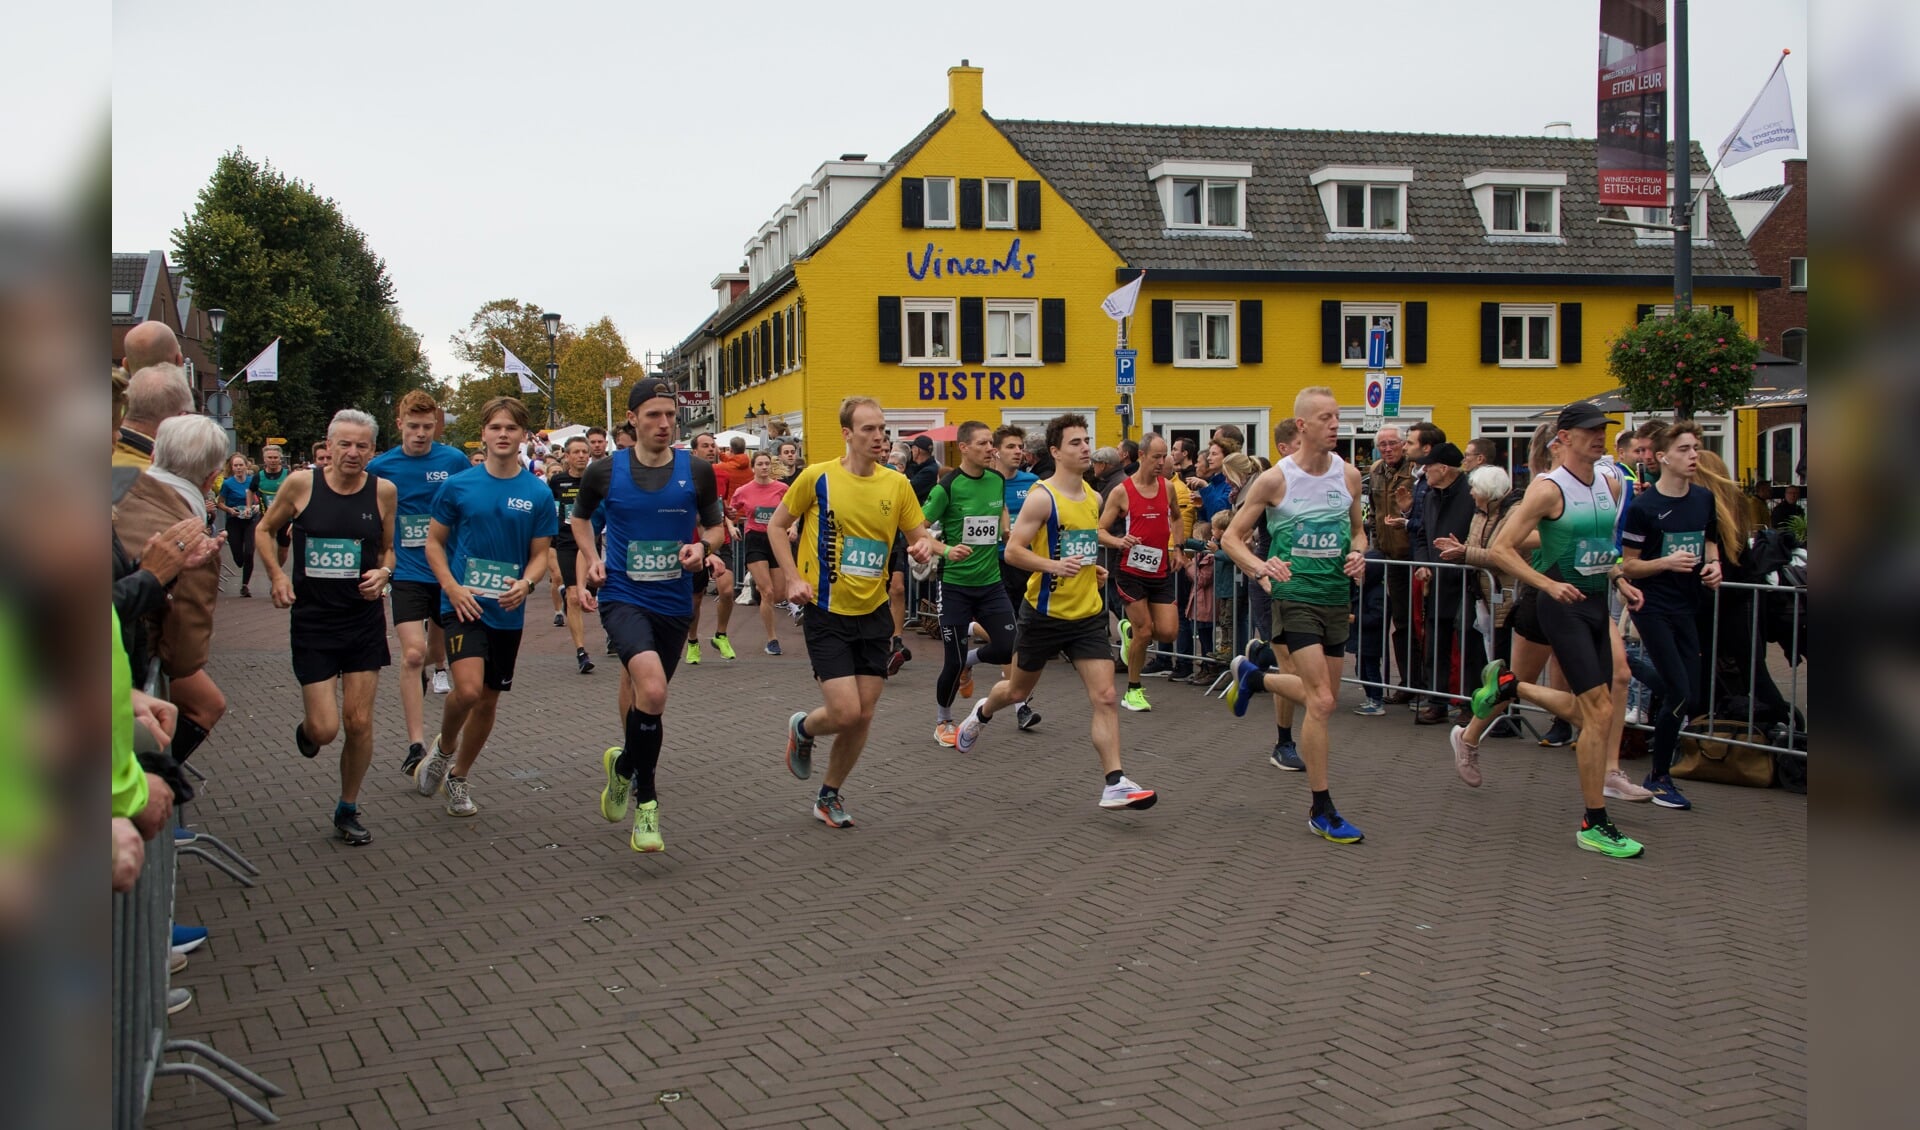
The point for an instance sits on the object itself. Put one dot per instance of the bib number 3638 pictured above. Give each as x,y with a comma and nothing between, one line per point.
336,559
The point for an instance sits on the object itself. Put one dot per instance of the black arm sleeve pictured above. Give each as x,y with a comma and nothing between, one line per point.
595,484
705,492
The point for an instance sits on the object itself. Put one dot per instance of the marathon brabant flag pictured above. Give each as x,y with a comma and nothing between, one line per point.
515,365
265,367
1768,123
1120,303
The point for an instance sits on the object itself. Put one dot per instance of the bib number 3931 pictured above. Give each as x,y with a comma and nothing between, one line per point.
1594,556
490,578
336,559
1694,542
863,557
653,561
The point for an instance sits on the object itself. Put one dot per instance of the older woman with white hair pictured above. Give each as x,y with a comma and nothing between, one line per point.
188,454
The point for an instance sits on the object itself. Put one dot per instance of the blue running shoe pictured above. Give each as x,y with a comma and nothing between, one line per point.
186,939
1665,794
1330,825
1286,755
1260,653
1239,691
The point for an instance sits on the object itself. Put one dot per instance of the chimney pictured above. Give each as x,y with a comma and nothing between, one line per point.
964,89
853,156
1557,129
1796,172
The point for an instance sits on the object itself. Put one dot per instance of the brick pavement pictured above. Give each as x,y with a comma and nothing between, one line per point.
986,948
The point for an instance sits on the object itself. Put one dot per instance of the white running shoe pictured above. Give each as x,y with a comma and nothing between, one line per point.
1619,786
1126,794
431,772
969,732
442,684
459,800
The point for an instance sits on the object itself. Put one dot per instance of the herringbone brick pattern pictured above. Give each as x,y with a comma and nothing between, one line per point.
986,948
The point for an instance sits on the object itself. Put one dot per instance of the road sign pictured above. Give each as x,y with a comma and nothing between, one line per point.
1392,406
610,383
1377,347
695,398
1123,360
1372,412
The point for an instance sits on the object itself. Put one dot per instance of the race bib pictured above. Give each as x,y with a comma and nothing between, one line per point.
980,530
490,578
653,561
1594,556
1084,544
863,557
762,515
1317,537
335,559
413,530
1692,541
1145,558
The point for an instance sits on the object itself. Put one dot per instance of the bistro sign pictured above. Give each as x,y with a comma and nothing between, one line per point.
973,386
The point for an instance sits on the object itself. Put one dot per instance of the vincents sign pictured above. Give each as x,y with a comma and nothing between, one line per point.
933,261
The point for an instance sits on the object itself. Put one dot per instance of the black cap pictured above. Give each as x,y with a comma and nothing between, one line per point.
1582,414
647,388
1445,454
922,442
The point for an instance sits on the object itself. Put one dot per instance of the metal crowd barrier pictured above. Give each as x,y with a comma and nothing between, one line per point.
1749,641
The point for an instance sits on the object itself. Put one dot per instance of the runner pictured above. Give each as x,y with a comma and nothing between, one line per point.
754,504
662,519
1149,558
1311,503
969,504
853,507
718,575
596,445
417,469
487,544
1010,459
342,520
273,473
566,492
1573,508
238,496
1286,752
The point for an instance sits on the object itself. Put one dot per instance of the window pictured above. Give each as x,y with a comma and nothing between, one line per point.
1202,194
1522,202
1203,333
1529,211
1793,345
1780,454
929,330
939,202
1199,424
1368,207
1665,216
1010,326
1000,203
1356,318
1355,444
1797,274
123,300
1526,335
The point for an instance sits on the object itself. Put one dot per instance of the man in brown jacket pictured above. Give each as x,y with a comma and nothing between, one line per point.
1389,492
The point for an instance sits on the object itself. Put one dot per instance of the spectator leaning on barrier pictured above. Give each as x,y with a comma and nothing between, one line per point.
924,470
1390,479
1421,438
1448,521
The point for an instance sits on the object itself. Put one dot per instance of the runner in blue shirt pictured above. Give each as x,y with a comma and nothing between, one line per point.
487,544
416,468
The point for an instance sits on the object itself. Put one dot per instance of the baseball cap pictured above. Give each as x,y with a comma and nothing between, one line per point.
1582,414
646,389
922,442
1445,454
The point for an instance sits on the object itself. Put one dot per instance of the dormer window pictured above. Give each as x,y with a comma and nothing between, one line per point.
1665,216
1518,201
1364,198
1198,195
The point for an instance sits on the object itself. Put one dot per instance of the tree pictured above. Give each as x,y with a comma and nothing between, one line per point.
463,402
1699,361
596,353
517,326
284,262
585,358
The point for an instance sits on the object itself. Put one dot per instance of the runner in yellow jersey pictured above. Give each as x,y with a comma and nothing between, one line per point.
1056,538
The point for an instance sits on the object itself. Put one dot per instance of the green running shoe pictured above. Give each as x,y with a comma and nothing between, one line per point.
1126,638
1607,840
1497,686
693,654
613,798
722,645
1135,699
646,828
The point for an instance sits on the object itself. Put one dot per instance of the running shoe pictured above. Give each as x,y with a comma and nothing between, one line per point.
178,999
1126,794
829,811
799,749
646,828
416,753
308,749
347,824
176,962
432,771
772,648
1026,717
441,684
459,799
724,646
1557,735
898,660
186,939
964,688
580,657
1466,758
1619,786
1286,755
1665,794
559,619
612,650
693,654
1607,840
1371,708
946,733
969,731
1136,700
1497,685
1240,690
244,592
1260,653
1330,825
1126,639
616,794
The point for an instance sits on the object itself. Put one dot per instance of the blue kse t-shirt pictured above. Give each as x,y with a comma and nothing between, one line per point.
494,522
416,479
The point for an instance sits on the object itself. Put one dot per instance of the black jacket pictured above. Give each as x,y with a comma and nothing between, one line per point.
1443,513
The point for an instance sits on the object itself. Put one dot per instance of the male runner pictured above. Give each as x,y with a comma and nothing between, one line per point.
487,544
566,493
273,473
663,519
342,521
596,444
1149,555
716,564
417,469
853,506
1573,507
322,454
1010,459
623,437
1056,538
970,506
1311,503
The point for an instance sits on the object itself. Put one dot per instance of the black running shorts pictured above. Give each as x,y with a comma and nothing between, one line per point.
1134,588
498,648
415,602
1524,619
843,646
759,548
961,605
568,558
1039,637
326,652
1577,633
1302,625
634,630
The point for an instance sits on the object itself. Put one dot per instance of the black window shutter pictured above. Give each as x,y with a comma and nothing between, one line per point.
1027,205
1251,344
771,328
1569,333
1053,331
1414,351
889,329
725,370
793,337
973,331
970,206
1489,333
779,341
1641,311
1330,331
1163,331
913,202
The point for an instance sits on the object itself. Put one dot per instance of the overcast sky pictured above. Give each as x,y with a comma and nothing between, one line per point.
611,158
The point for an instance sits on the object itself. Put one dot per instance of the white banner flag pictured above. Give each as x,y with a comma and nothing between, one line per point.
1768,123
265,367
1119,304
515,365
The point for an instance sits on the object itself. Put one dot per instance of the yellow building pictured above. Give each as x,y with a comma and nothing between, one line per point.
966,279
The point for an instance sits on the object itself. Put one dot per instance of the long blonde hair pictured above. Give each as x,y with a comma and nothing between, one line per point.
1729,506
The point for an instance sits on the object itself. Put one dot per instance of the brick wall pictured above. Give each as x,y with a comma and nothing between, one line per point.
1780,237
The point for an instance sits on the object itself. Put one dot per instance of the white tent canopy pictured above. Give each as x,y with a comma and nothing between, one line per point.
725,439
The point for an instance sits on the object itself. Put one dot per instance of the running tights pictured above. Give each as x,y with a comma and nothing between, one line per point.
641,756
1673,644
956,641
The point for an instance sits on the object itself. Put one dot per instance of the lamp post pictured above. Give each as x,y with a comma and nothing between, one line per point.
552,323
221,408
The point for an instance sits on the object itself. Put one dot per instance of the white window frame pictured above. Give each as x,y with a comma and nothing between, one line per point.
1013,204
1013,308
1522,195
1034,421
1528,311
1512,422
1780,476
1205,420
1717,429
1371,310
1484,184
930,307
1330,179
1367,224
123,302
901,421
926,202
1797,265
1206,311
1167,176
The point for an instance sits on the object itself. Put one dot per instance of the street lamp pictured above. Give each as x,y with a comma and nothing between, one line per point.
552,322
217,321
